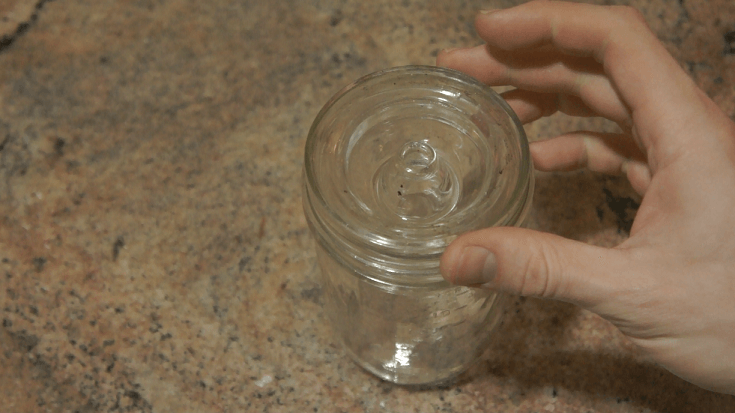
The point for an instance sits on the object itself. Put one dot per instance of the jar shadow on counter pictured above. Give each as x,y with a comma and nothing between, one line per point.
543,362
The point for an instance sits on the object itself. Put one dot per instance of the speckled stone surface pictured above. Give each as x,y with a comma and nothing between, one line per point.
153,252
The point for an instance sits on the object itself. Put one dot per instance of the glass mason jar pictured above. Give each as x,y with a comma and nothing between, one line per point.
397,164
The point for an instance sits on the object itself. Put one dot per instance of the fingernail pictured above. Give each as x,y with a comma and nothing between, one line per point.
489,11
476,266
449,50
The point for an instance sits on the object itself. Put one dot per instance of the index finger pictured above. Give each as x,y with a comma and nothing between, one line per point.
649,80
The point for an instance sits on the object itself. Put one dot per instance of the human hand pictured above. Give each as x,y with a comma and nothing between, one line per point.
671,286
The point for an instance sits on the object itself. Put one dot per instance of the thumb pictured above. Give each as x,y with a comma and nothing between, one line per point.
532,263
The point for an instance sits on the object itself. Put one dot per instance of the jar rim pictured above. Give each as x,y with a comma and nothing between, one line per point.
386,262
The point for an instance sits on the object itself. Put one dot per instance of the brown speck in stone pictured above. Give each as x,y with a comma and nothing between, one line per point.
261,230
313,294
104,60
336,18
39,263
59,144
25,341
133,395
600,212
730,42
78,199
108,343
119,243
624,209
243,263
72,165
7,323
400,193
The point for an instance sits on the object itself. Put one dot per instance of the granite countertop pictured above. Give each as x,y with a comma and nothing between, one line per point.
153,251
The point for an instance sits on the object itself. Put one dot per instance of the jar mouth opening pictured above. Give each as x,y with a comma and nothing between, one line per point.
401,161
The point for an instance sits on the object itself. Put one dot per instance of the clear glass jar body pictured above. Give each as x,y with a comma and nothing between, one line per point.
407,334
397,165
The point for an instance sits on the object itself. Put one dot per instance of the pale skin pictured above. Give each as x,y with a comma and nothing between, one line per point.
670,288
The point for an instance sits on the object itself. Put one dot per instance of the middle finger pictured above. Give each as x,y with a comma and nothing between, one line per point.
542,69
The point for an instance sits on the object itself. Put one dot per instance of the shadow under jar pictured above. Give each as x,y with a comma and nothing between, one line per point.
398,164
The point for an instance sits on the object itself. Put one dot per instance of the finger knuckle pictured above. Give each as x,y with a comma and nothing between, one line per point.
540,270
629,15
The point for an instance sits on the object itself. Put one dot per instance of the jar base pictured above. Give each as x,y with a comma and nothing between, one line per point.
417,377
